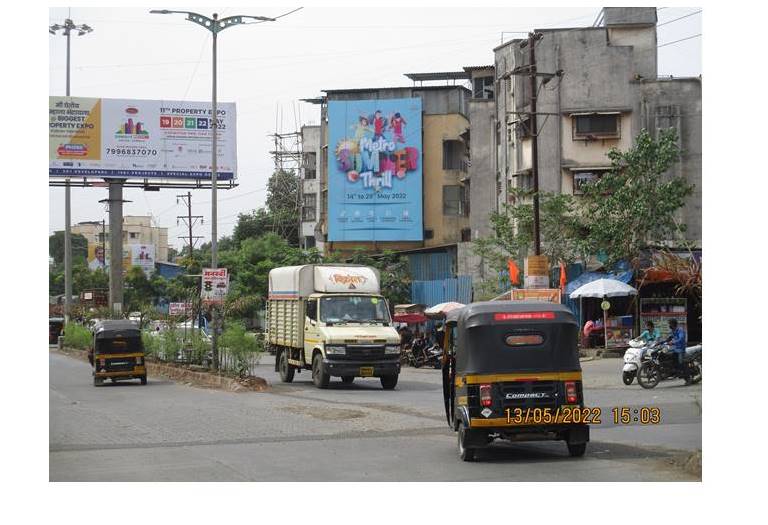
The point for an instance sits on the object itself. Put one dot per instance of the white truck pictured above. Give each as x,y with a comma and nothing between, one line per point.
331,319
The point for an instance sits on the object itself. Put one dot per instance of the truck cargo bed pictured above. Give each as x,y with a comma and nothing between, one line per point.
285,322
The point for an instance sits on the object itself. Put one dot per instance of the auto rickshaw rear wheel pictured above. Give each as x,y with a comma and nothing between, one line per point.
465,453
347,380
98,381
576,450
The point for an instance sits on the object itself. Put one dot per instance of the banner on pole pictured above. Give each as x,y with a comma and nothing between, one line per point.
215,285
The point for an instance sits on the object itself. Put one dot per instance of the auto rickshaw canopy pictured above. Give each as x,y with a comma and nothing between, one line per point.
508,337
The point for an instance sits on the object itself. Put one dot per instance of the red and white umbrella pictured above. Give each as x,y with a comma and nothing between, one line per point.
439,310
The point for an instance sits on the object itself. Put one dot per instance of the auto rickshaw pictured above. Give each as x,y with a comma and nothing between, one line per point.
55,327
117,352
511,371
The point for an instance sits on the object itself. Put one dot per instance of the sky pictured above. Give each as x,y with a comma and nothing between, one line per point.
267,68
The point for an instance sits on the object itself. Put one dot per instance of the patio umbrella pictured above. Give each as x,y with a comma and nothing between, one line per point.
410,318
602,288
439,310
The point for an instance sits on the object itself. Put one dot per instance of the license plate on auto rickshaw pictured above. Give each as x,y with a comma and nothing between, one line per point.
366,371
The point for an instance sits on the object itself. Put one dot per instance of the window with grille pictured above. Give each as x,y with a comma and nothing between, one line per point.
582,178
308,210
310,165
454,155
596,126
455,200
482,87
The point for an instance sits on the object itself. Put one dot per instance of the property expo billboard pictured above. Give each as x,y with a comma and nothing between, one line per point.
375,170
117,138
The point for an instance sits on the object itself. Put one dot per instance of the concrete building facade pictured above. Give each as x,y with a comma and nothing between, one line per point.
136,230
607,92
311,175
445,200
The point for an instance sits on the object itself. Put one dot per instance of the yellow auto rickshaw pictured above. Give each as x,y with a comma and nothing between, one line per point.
511,371
117,352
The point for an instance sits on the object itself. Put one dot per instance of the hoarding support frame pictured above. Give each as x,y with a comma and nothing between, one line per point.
116,246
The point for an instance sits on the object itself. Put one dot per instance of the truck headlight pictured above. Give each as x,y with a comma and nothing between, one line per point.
392,349
335,350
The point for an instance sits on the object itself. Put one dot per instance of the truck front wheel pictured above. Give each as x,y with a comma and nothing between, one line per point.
389,382
286,370
319,376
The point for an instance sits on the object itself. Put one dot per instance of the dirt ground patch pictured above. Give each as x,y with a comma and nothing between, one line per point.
325,413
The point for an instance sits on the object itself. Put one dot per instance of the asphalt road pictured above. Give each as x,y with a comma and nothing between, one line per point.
166,431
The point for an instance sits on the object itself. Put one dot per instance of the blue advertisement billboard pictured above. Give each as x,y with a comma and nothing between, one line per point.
375,170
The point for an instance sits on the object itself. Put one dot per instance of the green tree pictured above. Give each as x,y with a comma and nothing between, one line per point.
634,205
394,273
282,205
279,215
56,247
563,234
251,225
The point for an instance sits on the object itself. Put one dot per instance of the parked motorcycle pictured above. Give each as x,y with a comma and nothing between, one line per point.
420,353
661,364
633,358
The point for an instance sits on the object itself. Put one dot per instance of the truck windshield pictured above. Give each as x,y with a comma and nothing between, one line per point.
353,309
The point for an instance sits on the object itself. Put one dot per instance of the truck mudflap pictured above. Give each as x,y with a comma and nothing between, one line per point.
361,368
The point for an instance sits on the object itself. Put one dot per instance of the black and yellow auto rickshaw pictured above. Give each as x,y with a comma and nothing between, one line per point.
511,371
55,327
117,352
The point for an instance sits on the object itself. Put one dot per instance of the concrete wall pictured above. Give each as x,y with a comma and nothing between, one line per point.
506,157
437,128
677,103
482,175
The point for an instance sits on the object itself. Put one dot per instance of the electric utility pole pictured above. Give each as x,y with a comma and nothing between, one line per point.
67,29
532,39
189,221
215,26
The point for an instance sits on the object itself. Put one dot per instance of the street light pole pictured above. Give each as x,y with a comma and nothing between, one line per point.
83,29
215,26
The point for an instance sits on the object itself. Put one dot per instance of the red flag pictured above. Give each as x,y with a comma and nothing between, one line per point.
563,277
514,273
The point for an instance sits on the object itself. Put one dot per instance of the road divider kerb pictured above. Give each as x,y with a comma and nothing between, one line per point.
184,375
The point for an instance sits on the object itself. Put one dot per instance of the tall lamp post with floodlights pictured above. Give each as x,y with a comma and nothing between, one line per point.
215,26
66,30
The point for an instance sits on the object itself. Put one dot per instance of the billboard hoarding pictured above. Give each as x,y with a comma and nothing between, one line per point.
143,256
146,139
215,284
97,257
375,170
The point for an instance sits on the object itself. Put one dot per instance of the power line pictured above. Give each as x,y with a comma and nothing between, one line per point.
681,40
680,18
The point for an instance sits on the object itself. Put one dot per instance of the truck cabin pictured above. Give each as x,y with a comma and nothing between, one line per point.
340,309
